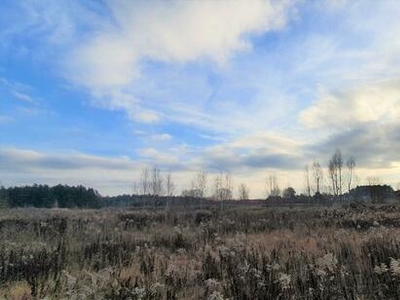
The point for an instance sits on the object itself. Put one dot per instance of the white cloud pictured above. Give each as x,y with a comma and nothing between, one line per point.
156,157
187,30
145,116
275,142
372,103
24,97
108,62
10,157
256,152
19,91
161,137
105,63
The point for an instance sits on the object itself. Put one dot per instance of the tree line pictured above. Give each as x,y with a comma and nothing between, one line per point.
62,196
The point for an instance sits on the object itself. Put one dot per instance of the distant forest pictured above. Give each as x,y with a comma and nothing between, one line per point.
64,196
44,196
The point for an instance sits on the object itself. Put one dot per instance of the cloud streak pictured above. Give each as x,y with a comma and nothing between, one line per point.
19,91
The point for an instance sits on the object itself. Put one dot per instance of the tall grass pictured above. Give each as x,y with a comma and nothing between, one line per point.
242,253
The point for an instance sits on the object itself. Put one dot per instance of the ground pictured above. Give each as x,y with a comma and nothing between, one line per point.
343,252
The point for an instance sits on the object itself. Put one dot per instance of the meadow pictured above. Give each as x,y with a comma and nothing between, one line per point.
340,252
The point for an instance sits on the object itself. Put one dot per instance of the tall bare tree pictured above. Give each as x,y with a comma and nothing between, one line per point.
243,192
156,182
169,185
199,183
223,187
229,185
273,186
169,189
351,164
307,180
333,176
335,172
339,160
145,181
318,176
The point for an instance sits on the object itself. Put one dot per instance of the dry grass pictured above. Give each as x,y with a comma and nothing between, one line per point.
312,253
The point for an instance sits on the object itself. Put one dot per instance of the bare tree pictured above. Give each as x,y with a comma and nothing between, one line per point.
339,163
145,181
318,176
307,179
335,172
333,176
351,164
243,192
156,182
199,183
218,195
198,187
169,185
169,188
229,185
223,187
272,186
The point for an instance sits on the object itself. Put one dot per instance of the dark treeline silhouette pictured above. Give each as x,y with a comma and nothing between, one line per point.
44,196
374,193
64,196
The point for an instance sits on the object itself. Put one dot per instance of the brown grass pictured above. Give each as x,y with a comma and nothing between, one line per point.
312,253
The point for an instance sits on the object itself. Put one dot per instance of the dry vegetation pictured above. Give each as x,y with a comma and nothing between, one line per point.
243,253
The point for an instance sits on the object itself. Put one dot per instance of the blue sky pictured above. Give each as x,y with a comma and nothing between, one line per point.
93,91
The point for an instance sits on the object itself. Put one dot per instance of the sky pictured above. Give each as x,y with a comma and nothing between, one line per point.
93,91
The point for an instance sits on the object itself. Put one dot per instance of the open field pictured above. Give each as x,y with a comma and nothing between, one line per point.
341,252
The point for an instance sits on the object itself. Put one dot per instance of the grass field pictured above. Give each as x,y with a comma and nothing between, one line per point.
341,252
